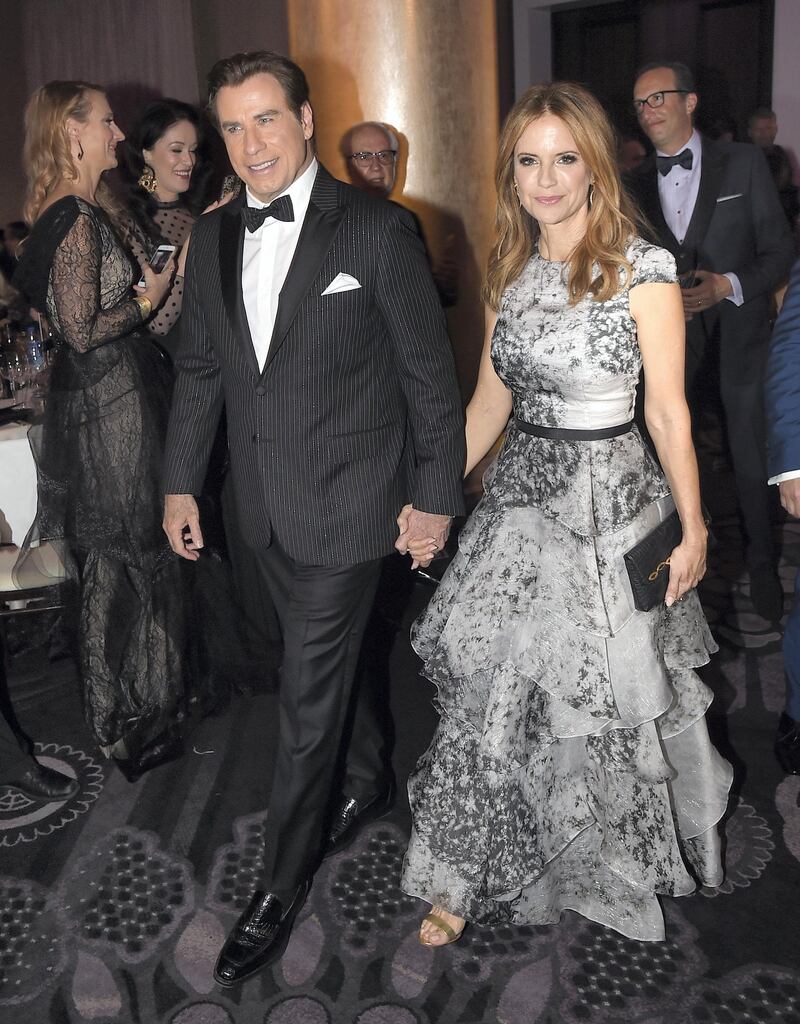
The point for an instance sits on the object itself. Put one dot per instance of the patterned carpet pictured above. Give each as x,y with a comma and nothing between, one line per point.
113,905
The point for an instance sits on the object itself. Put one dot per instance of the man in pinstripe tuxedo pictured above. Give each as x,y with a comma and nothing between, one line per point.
310,312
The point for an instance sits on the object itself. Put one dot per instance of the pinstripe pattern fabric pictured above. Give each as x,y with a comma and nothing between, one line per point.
357,409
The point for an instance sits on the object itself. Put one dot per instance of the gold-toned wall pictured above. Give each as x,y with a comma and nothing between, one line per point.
429,69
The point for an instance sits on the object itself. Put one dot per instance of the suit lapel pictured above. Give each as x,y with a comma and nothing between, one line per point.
320,226
231,234
651,207
711,171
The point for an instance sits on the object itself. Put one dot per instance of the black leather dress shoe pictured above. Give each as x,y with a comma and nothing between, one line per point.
167,747
766,593
259,937
787,744
41,783
350,818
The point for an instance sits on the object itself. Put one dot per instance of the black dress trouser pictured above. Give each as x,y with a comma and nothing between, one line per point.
15,749
323,611
743,405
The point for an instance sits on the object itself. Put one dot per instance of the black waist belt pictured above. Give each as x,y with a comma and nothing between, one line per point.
568,434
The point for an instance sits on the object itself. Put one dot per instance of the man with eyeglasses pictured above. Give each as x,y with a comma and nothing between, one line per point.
370,153
715,207
370,150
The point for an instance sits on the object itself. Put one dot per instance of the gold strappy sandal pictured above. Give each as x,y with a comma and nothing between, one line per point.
443,926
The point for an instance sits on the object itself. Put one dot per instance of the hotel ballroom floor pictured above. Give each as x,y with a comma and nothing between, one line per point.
114,904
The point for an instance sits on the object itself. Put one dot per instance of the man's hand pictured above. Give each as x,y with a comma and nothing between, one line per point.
422,535
790,495
711,290
182,525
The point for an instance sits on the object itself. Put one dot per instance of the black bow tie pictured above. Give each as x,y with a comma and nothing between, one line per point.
254,217
683,159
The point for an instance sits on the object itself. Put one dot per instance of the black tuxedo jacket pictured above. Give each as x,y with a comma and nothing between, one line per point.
738,227
356,411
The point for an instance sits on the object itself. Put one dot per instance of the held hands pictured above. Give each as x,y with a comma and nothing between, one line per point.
687,566
711,290
422,535
790,495
156,286
182,525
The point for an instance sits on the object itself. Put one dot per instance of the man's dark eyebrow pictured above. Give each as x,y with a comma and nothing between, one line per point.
261,113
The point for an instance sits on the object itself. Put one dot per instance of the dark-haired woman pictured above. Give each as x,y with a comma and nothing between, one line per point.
163,160
572,768
165,163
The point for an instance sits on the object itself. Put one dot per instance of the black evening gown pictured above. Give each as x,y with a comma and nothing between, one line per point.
142,646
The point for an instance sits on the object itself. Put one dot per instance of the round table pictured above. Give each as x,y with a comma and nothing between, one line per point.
17,484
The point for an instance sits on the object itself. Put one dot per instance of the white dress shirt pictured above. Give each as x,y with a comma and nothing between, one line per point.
677,192
266,258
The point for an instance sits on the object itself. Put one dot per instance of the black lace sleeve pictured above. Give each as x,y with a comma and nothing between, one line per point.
75,290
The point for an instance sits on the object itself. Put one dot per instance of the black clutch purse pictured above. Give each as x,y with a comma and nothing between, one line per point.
648,563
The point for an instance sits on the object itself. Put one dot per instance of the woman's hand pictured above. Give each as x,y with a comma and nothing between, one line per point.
156,286
687,566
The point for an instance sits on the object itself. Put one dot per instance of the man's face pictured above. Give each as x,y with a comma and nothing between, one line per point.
373,176
669,126
267,145
763,131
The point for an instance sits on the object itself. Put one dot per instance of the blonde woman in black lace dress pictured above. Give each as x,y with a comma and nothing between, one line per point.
98,448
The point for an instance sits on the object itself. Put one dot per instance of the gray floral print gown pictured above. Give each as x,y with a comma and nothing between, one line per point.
571,768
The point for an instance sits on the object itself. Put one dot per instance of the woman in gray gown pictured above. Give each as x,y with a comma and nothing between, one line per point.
571,768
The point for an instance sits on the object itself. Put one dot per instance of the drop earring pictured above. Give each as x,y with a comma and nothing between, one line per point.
80,150
590,194
147,179
516,189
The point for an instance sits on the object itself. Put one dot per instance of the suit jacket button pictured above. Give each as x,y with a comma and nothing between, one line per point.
261,390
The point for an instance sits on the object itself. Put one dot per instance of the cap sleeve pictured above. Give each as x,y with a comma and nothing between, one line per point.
651,264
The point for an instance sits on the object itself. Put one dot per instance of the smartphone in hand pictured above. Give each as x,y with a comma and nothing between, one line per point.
689,279
159,258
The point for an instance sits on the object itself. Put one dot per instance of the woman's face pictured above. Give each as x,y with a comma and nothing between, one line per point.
551,176
98,135
172,159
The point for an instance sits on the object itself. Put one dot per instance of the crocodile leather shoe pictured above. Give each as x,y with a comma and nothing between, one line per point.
41,783
351,816
259,937
787,744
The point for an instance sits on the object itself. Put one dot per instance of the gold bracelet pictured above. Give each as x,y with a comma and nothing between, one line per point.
144,304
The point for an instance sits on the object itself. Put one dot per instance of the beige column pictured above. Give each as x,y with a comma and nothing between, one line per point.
429,69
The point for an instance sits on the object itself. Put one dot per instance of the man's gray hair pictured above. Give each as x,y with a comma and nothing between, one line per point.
347,147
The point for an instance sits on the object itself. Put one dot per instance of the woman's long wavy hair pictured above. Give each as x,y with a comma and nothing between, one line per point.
47,155
596,261
150,126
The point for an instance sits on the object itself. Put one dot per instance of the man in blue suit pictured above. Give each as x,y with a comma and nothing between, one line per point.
783,423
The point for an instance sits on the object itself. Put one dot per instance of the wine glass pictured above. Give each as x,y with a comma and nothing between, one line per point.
14,367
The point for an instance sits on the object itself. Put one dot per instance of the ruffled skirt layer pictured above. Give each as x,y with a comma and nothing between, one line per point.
572,767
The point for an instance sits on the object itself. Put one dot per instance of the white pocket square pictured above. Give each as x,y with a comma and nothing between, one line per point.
735,195
341,283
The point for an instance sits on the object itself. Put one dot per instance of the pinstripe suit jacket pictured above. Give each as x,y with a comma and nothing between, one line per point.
356,411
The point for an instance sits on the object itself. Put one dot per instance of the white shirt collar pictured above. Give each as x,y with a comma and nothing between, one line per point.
299,191
695,144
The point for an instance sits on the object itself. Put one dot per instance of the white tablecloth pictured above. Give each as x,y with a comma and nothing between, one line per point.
17,484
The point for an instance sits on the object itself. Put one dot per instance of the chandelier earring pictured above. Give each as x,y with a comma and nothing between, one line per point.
147,180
